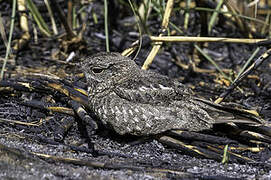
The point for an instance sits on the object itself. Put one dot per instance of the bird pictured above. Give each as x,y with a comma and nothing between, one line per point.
139,102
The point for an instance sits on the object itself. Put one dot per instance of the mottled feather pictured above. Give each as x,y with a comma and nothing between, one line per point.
138,102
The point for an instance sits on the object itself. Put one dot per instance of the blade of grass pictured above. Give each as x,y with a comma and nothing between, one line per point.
143,13
267,18
225,155
74,20
176,28
223,12
186,16
51,17
38,18
138,25
247,63
14,2
158,8
214,16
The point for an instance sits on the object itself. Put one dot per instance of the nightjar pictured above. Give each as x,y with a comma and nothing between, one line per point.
138,102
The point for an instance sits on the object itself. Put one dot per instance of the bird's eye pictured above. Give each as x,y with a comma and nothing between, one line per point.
97,70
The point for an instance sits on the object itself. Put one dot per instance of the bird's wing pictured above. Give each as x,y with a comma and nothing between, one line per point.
156,90
141,119
127,117
151,88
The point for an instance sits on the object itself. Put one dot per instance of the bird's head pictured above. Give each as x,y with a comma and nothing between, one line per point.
108,68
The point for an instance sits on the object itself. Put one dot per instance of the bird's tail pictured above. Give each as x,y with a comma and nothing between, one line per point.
230,113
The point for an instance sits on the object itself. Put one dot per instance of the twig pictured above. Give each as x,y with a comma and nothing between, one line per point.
251,68
157,46
106,25
62,18
204,39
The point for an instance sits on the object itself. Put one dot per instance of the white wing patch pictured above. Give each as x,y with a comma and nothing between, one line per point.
142,88
152,87
164,87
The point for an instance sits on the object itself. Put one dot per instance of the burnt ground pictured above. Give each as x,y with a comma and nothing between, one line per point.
121,157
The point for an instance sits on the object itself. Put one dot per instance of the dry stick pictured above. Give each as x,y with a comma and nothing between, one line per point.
186,15
110,165
254,66
98,164
204,39
12,121
94,163
106,25
23,25
160,39
157,46
3,32
234,9
127,52
69,14
192,149
55,6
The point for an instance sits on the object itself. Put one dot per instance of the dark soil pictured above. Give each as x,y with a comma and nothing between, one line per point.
125,157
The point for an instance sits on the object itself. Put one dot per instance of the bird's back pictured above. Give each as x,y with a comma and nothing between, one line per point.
138,102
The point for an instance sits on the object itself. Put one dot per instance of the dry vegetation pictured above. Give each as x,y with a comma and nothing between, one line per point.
219,48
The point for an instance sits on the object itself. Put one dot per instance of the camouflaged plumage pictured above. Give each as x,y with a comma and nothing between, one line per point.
138,102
